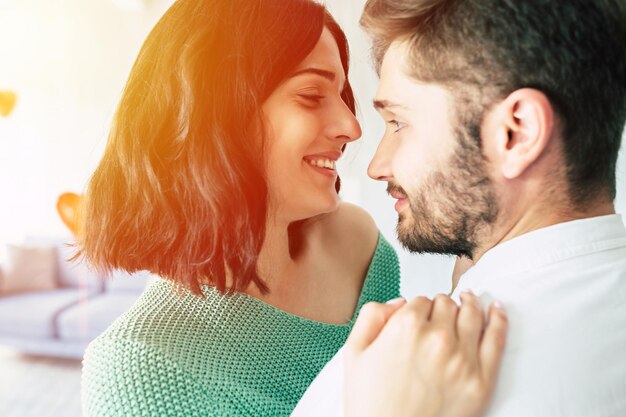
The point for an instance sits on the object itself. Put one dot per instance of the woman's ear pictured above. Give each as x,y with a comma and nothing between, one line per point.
523,125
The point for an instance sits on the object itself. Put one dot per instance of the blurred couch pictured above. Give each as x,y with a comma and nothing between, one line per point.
62,317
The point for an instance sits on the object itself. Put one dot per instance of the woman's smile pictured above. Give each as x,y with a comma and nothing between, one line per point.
324,163
323,166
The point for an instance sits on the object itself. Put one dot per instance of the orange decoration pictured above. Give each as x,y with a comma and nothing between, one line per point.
7,102
68,205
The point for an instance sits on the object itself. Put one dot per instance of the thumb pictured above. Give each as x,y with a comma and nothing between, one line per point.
372,318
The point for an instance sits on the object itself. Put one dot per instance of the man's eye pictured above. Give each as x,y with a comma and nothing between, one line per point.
397,126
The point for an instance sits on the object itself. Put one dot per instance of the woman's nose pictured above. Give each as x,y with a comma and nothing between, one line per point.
346,125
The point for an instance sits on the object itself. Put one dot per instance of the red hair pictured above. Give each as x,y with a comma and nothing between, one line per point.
180,190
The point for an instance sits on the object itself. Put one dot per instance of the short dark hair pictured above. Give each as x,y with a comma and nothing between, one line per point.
573,51
180,190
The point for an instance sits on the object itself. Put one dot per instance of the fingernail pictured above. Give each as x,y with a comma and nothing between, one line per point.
498,305
467,293
396,300
469,296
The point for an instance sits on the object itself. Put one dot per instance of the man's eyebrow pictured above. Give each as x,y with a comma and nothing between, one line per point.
386,104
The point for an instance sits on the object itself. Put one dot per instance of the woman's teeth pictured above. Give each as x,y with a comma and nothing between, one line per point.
322,163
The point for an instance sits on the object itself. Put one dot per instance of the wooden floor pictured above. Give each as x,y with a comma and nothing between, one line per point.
38,387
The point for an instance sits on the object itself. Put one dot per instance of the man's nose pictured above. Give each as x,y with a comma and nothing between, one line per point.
380,166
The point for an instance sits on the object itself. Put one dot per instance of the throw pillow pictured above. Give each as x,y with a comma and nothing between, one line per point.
28,269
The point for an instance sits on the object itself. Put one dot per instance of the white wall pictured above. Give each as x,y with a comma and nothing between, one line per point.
68,61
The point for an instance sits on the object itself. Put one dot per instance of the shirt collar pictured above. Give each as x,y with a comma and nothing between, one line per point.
546,246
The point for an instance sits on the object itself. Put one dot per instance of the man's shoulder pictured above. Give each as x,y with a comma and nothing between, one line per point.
566,337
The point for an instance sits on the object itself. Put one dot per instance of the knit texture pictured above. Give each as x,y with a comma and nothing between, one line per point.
231,355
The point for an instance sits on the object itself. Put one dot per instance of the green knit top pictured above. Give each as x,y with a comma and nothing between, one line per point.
231,355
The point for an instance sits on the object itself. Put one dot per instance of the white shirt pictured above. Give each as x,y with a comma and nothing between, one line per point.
564,290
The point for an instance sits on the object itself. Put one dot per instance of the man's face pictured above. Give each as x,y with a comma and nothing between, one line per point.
432,163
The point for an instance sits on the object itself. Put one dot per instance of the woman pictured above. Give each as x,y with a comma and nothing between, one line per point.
219,176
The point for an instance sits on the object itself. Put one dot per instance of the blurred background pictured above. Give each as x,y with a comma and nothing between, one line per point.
63,64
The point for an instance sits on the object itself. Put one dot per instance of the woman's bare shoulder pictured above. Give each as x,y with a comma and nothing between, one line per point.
351,231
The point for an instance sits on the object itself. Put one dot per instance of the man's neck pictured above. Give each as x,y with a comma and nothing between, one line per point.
537,217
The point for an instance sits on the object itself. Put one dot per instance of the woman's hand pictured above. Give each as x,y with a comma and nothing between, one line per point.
423,358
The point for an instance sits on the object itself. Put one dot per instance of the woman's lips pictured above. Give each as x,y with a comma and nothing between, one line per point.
331,173
326,171
333,155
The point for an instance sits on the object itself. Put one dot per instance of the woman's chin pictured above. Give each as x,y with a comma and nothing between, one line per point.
319,208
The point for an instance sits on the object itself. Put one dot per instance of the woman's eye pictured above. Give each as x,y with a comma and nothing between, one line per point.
397,126
312,98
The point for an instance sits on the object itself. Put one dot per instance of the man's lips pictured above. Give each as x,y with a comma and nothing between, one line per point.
397,195
402,202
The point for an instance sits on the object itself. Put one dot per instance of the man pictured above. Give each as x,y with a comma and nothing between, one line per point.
504,122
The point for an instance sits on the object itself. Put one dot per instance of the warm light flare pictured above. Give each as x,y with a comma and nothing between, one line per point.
7,102
68,205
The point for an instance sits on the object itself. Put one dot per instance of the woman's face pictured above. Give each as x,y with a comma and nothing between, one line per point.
307,124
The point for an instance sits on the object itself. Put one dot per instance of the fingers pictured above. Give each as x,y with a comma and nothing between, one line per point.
493,342
372,318
413,316
444,313
419,306
470,323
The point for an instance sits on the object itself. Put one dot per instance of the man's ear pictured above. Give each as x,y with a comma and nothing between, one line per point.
524,123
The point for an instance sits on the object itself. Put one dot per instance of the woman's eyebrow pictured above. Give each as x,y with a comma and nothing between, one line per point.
329,75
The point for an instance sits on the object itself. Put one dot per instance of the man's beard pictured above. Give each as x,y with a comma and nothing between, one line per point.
453,205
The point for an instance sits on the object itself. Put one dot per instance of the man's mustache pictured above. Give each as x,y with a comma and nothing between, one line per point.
393,188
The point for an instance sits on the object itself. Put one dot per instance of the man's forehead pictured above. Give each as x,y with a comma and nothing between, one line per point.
395,58
393,79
